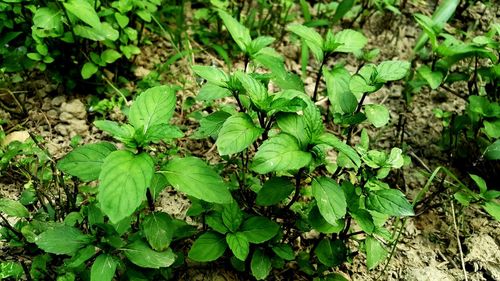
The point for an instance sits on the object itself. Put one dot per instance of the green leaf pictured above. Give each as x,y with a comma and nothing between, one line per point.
161,132
259,229
193,177
232,216
343,8
390,202
85,162
110,56
279,154
339,94
84,11
158,230
377,114
211,92
13,208
237,133
392,70
351,41
480,183
11,269
318,222
154,106
140,254
103,268
254,89
121,20
364,220
80,257
331,253
284,251
307,33
337,144
493,208
274,191
259,43
214,220
123,133
240,34
212,74
210,125
62,240
47,22
239,245
492,129
88,70
492,152
433,78
330,198
208,247
375,252
260,265
124,179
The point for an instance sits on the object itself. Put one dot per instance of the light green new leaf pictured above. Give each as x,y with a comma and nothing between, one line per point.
390,202
351,41
160,132
330,199
274,191
237,133
110,56
154,106
210,125
47,22
208,247
84,11
492,129
239,245
254,89
259,229
210,91
158,230
280,153
340,146
140,254
260,265
103,32
13,208
88,70
103,268
123,180
195,178
240,34
433,78
375,252
85,162
392,70
212,74
307,33
339,94
62,240
377,114
493,208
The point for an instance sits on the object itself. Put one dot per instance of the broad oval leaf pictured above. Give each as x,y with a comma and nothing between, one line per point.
158,230
85,162
211,125
375,252
62,240
339,94
154,106
331,253
377,114
259,229
390,202
274,191
47,22
103,268
330,198
212,74
239,245
13,208
142,255
124,179
340,146
392,70
279,154
254,89
232,216
237,133
84,11
351,41
307,33
260,265
208,247
195,178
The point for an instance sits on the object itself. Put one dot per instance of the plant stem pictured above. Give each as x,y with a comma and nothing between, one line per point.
358,109
297,189
318,78
151,202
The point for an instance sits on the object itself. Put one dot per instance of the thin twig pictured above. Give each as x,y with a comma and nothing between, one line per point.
458,241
